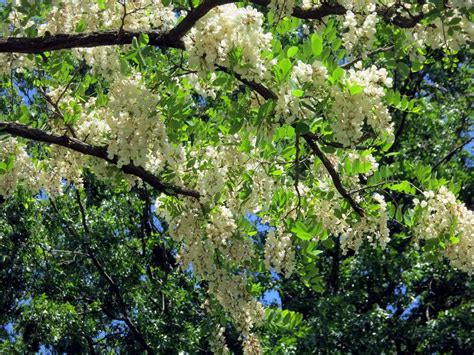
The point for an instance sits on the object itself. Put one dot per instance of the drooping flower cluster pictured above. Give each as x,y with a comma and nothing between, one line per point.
230,37
442,217
217,342
279,252
371,228
136,131
209,243
102,60
361,30
17,168
13,61
351,111
87,15
312,78
453,30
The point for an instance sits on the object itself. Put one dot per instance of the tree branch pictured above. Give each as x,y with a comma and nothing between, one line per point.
20,130
311,140
172,38
82,40
110,281
101,270
452,153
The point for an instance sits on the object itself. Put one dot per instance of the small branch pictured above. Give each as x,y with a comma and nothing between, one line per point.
311,140
297,170
261,89
452,153
20,130
370,54
114,287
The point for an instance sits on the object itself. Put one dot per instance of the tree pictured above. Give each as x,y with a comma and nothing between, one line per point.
164,164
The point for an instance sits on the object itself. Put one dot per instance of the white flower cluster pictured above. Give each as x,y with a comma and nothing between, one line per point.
68,16
279,252
252,345
372,228
21,172
217,342
102,60
129,124
231,292
454,30
202,86
352,111
282,8
361,30
63,164
441,216
363,6
206,239
312,78
11,61
136,131
49,174
230,37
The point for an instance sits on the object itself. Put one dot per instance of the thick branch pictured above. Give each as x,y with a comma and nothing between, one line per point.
172,39
20,130
82,40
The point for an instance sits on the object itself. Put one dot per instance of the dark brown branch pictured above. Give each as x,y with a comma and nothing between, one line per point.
20,130
173,38
82,40
311,140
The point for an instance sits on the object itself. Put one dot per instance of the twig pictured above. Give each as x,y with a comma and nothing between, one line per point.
452,153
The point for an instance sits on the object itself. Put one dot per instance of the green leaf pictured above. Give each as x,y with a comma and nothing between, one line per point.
301,231
302,128
291,52
297,93
316,44
135,43
284,68
143,39
356,89
403,69
265,110
81,26
101,4
337,74
403,186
